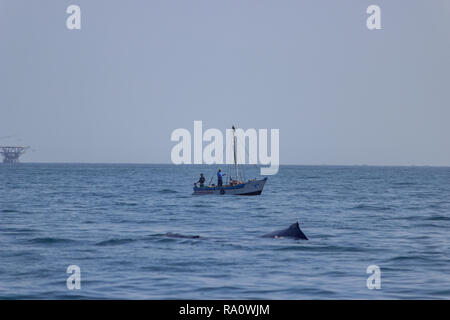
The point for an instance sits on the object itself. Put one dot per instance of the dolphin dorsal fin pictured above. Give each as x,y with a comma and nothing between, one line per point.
294,226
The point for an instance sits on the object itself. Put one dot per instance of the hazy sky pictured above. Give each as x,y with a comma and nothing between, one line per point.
116,89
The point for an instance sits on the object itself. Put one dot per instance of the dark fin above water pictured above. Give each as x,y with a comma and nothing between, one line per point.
178,235
293,231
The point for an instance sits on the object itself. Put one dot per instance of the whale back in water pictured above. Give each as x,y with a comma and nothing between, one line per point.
292,232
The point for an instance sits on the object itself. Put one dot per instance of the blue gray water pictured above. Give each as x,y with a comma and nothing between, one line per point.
110,220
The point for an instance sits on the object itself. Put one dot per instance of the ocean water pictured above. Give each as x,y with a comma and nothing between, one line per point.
111,221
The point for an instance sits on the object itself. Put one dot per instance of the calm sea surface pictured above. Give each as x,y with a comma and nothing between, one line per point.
110,220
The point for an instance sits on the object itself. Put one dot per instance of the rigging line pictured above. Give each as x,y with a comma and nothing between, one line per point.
248,155
243,169
237,154
239,158
212,176
230,165
243,162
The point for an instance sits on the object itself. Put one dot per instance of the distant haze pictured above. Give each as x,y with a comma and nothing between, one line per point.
116,89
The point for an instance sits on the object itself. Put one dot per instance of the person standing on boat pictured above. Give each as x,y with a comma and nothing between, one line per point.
220,177
201,180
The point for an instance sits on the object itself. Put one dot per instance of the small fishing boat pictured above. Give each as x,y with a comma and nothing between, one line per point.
251,187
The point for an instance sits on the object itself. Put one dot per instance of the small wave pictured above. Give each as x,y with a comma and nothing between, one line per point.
49,240
124,203
201,205
414,258
103,195
404,183
370,208
438,218
444,293
165,239
167,191
17,230
182,236
303,246
113,242
9,211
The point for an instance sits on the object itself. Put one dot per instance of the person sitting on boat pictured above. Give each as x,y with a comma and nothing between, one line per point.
201,180
219,177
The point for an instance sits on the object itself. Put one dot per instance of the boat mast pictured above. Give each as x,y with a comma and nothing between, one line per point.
235,152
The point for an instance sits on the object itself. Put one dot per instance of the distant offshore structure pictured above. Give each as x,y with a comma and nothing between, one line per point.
11,154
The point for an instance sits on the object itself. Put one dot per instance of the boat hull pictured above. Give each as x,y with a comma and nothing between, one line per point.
250,188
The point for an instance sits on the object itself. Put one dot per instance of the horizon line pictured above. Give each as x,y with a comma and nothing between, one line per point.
204,164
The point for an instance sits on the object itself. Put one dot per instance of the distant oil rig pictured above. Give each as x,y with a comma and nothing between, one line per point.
11,154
